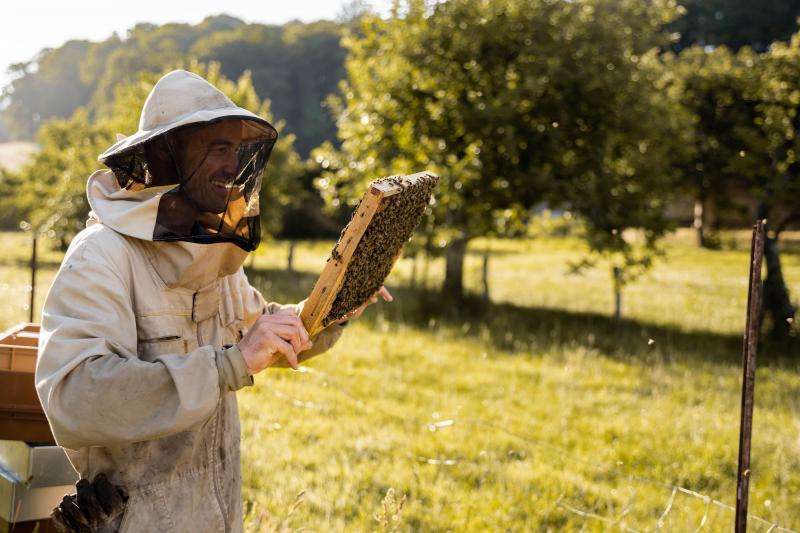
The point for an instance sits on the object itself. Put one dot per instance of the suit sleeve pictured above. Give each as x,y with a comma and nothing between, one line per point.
93,387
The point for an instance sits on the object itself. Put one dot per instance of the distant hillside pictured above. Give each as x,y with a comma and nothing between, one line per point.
295,65
15,154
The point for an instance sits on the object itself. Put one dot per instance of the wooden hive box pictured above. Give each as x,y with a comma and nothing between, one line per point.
21,414
368,247
18,348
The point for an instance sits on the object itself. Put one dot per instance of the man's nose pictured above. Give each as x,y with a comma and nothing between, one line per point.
231,162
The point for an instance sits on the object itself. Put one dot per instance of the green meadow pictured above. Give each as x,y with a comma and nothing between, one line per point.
532,411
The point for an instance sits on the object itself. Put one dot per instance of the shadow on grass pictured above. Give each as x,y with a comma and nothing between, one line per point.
513,328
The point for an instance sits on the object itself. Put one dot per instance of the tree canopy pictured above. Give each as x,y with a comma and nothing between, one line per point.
592,107
512,103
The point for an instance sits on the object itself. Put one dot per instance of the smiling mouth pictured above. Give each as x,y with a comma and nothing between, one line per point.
222,184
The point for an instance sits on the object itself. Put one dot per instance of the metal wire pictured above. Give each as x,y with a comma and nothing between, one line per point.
587,514
663,517
705,516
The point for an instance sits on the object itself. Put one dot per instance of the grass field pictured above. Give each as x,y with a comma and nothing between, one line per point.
535,412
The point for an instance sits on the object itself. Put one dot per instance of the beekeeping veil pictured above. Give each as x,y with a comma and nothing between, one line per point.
194,167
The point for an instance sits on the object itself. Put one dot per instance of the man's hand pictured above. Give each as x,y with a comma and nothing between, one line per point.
352,315
282,335
271,338
96,508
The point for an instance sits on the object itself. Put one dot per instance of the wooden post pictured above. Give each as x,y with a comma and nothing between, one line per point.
290,258
485,274
413,281
425,262
33,281
749,375
617,293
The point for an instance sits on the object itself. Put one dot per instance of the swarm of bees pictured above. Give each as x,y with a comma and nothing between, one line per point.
382,241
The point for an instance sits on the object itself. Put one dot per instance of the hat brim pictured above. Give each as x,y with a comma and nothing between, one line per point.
198,117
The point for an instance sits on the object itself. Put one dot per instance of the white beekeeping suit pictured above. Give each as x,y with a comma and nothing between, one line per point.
138,362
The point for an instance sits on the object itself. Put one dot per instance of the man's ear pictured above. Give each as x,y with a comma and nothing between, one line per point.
161,168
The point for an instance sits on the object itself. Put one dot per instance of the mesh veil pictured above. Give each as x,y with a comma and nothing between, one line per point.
211,174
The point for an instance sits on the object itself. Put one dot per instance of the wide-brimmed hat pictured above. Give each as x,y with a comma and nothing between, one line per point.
180,98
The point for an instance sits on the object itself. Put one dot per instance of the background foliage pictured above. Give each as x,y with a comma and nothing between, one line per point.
608,111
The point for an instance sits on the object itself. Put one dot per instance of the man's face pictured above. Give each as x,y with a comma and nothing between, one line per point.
209,162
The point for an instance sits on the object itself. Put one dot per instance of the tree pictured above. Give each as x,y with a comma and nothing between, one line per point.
512,103
745,110
774,158
714,88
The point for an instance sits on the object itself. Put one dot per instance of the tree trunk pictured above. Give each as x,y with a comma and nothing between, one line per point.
699,221
777,302
485,274
617,273
426,260
290,258
454,269
776,294
413,280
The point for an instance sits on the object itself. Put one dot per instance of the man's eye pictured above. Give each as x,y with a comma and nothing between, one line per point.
223,150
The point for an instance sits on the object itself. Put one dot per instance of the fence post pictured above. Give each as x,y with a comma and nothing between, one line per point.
617,293
485,274
749,375
413,280
290,258
33,281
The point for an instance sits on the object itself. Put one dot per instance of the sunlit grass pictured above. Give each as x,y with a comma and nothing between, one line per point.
522,414
554,414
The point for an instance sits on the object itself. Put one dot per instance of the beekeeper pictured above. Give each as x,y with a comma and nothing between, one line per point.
151,324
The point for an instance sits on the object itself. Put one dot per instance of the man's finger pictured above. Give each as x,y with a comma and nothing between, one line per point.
290,320
286,350
88,504
108,495
387,296
290,310
58,522
292,334
72,515
301,328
